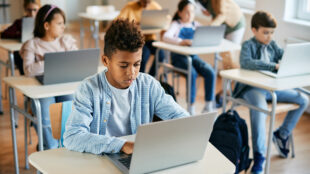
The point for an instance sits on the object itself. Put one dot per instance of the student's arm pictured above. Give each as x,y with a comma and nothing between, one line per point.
165,106
78,137
127,13
13,31
218,20
32,66
221,17
248,62
171,35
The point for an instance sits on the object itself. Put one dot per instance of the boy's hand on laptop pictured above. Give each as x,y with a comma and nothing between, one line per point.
186,42
128,147
277,66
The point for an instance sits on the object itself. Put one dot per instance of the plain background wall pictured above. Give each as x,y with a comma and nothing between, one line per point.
276,7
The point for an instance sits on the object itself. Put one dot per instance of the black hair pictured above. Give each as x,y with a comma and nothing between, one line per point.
182,4
123,35
27,2
43,17
263,19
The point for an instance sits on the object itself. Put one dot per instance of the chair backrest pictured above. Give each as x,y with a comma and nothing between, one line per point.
59,113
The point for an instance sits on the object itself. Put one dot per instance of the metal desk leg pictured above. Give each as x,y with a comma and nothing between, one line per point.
156,64
26,136
39,122
189,79
217,58
96,33
12,67
81,33
11,95
225,84
272,118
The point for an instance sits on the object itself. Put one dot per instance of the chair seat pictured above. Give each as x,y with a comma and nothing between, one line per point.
283,107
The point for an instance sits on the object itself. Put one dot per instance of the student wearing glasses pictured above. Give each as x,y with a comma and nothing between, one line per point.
14,31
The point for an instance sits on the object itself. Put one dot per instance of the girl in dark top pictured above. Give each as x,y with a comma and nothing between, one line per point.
14,31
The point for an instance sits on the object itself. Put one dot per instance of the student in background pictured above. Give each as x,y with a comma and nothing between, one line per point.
133,11
228,13
262,53
14,31
181,32
48,37
116,101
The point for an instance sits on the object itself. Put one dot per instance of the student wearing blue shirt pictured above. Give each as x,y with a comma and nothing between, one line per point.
115,102
262,53
181,32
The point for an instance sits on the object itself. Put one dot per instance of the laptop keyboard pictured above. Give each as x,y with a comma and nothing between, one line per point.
126,161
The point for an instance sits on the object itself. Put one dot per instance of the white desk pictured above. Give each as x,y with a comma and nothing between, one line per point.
259,80
187,51
60,161
10,46
151,31
31,88
94,28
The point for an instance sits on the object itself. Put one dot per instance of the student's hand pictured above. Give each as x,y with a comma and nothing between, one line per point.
277,66
206,12
186,42
128,147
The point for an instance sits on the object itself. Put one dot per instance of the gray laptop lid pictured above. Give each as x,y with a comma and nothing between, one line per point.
208,35
154,19
27,28
295,61
170,143
70,66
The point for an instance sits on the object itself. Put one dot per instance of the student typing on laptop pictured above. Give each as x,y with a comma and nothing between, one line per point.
133,11
14,31
48,37
262,53
181,32
116,101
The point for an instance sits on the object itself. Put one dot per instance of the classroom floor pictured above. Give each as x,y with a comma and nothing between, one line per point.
299,164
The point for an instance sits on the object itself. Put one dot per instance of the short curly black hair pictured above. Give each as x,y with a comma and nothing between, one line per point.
263,19
123,35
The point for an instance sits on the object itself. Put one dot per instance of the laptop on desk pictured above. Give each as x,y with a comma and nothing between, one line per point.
27,28
69,66
154,19
295,61
208,36
167,144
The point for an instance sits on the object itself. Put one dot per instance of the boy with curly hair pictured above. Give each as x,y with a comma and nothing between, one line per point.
116,101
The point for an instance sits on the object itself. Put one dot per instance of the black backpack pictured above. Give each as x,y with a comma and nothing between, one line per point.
168,90
230,136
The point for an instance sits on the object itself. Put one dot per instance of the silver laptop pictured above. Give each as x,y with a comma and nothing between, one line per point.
166,144
27,28
69,66
295,61
154,19
208,36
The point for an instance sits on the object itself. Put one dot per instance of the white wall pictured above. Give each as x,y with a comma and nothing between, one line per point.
16,9
284,29
73,7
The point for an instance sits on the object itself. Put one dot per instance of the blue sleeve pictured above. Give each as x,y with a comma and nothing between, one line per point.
247,60
165,106
77,136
